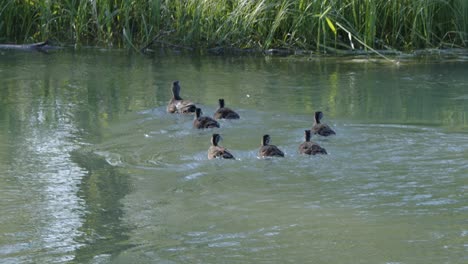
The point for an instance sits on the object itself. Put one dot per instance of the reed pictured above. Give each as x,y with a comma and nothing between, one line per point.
303,24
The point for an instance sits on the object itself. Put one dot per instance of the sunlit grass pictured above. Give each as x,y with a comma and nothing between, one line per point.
303,24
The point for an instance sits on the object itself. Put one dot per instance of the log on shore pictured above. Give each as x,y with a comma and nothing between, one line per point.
40,46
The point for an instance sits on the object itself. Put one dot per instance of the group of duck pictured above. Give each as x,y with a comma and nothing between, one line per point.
179,105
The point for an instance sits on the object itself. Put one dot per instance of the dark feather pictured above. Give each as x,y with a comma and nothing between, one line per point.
267,150
177,104
311,148
216,151
270,151
323,130
226,113
201,122
181,106
319,128
205,122
219,152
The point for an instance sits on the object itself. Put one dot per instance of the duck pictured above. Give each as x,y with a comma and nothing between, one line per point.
216,151
225,112
201,122
177,104
319,128
309,147
267,150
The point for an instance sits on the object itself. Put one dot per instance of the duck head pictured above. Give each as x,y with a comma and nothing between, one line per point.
198,112
221,103
318,116
215,138
176,90
266,140
307,135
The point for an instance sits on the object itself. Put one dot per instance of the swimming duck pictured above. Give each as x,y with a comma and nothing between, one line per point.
225,112
177,104
267,150
310,148
216,151
319,128
201,122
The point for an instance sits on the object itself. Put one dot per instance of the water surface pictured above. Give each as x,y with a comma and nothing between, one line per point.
95,171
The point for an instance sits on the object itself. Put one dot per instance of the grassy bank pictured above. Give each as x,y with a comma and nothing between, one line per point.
302,24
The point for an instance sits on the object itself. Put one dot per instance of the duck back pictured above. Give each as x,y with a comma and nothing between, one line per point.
270,151
219,152
311,148
205,122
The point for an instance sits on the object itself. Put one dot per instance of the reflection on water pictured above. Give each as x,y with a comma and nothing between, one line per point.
42,213
54,210
102,188
95,171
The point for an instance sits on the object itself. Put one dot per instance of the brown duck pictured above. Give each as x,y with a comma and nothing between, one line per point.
201,122
267,150
310,148
216,151
319,128
225,112
177,104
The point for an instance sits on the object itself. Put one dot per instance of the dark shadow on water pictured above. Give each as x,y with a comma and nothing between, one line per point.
102,189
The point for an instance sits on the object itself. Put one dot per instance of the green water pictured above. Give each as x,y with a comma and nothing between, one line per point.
93,170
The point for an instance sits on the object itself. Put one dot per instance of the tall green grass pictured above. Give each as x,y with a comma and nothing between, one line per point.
304,24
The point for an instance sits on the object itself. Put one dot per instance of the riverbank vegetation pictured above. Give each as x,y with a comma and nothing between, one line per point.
293,24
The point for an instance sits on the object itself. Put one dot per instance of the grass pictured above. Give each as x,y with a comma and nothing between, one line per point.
264,24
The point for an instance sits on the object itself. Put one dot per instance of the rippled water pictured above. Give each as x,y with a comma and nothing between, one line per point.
95,170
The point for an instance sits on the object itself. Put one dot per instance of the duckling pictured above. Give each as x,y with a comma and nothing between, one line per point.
177,104
225,112
310,148
267,150
319,128
216,151
201,122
